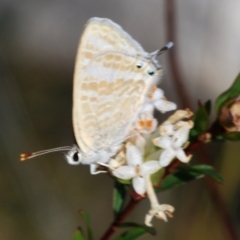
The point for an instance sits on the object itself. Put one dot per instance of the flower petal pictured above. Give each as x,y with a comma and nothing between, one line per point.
149,167
133,155
164,211
148,220
164,106
181,155
161,215
154,125
163,142
140,141
166,130
181,136
166,157
124,172
158,94
147,108
139,185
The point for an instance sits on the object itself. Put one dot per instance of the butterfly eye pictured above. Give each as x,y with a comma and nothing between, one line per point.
139,65
150,72
74,157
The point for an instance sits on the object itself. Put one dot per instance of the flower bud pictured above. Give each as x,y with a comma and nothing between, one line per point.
229,116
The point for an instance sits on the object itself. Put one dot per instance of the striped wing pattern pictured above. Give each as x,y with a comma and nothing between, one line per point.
109,88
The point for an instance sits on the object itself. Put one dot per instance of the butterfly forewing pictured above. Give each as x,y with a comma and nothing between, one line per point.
101,35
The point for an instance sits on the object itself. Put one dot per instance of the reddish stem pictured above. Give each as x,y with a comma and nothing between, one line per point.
135,199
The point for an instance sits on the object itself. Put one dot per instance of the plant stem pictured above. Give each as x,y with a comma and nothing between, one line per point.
135,199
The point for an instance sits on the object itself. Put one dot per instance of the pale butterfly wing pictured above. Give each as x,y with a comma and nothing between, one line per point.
111,80
102,34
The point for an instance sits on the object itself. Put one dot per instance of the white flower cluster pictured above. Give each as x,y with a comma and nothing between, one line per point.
129,162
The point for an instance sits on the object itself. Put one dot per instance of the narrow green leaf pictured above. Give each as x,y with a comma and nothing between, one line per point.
186,174
179,178
201,120
232,136
232,92
78,235
207,171
189,173
132,234
87,222
208,106
119,195
150,230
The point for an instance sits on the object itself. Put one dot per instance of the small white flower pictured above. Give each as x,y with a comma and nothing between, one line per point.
178,116
145,125
136,169
161,211
156,99
158,210
168,129
173,146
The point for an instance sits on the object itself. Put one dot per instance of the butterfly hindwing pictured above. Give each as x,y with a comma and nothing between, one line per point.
113,89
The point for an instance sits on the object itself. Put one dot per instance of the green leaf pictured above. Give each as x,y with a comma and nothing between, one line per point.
87,222
119,195
78,235
185,174
208,106
232,92
132,234
201,120
207,171
232,136
179,178
150,230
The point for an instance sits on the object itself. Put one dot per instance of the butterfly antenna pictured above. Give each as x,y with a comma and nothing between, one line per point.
25,156
162,50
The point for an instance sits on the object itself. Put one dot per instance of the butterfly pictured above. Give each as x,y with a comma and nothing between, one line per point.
112,77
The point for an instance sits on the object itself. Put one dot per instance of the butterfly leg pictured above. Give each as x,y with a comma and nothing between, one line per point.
93,169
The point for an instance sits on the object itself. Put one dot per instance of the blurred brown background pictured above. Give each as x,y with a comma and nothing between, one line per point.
39,198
